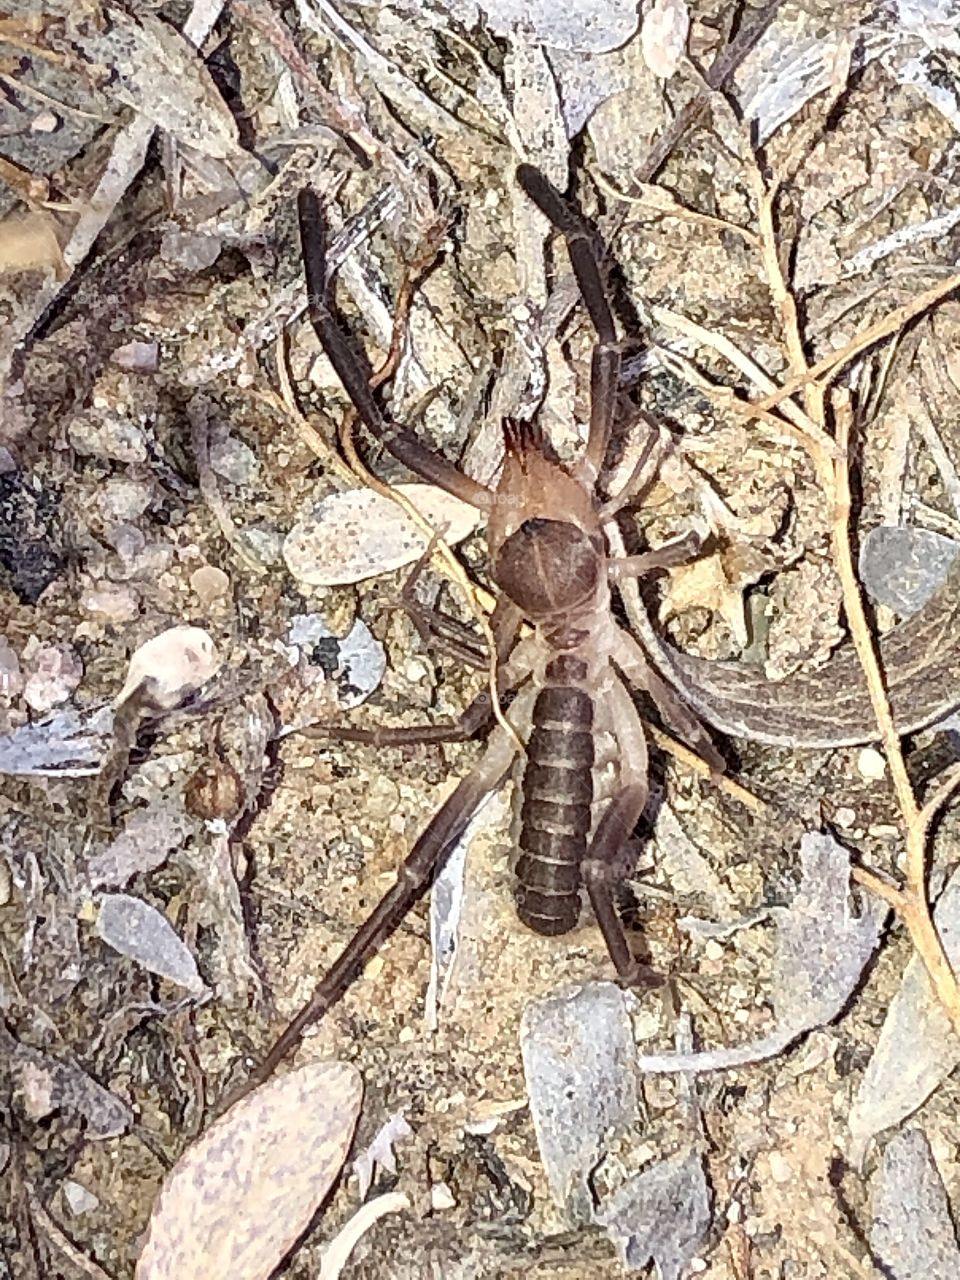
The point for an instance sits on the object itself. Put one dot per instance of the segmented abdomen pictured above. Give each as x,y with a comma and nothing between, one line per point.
557,794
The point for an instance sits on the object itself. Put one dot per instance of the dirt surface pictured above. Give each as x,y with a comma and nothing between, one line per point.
143,488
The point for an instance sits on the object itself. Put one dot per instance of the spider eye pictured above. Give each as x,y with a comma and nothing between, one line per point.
547,566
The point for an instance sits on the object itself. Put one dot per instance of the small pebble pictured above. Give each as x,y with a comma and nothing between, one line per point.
53,672
781,1169
110,602
127,540
209,583
383,797
844,818
233,460
78,1199
11,679
406,1035
137,357
108,434
871,764
45,122
373,968
441,1197
123,498
189,249
713,950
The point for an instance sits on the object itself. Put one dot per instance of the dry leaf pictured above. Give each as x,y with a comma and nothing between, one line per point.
161,75
237,1200
716,582
358,534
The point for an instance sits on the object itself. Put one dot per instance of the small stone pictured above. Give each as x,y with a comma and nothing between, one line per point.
781,1169
53,672
713,950
233,460
373,968
78,1199
45,122
123,498
406,1035
382,797
189,249
209,583
266,543
108,602
127,540
108,434
137,357
441,1197
11,678
844,818
871,764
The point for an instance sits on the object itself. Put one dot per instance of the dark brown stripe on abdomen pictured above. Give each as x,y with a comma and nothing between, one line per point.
557,795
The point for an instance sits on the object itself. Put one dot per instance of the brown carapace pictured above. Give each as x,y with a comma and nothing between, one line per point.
566,681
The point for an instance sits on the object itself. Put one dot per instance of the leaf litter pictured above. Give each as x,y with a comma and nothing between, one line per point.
181,255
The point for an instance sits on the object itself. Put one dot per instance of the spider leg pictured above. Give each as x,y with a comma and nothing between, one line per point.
682,551
632,661
349,368
414,876
602,868
606,361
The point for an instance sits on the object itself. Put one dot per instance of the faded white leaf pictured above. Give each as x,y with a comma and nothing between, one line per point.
661,1215
578,1053
358,534
148,837
141,933
821,951
239,1198
916,1048
380,1152
912,1232
160,74
66,744
822,947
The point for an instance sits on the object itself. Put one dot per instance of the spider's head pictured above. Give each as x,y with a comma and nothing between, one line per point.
546,546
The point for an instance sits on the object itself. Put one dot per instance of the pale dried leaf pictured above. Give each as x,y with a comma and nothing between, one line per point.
238,1199
146,841
160,74
66,745
380,1153
911,1232
170,666
358,534
916,1048
44,1084
139,932
661,1215
578,1052
716,582
589,26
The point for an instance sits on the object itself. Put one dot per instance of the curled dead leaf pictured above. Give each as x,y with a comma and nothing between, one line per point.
238,1199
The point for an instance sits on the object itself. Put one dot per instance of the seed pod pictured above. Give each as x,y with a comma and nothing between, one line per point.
214,791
